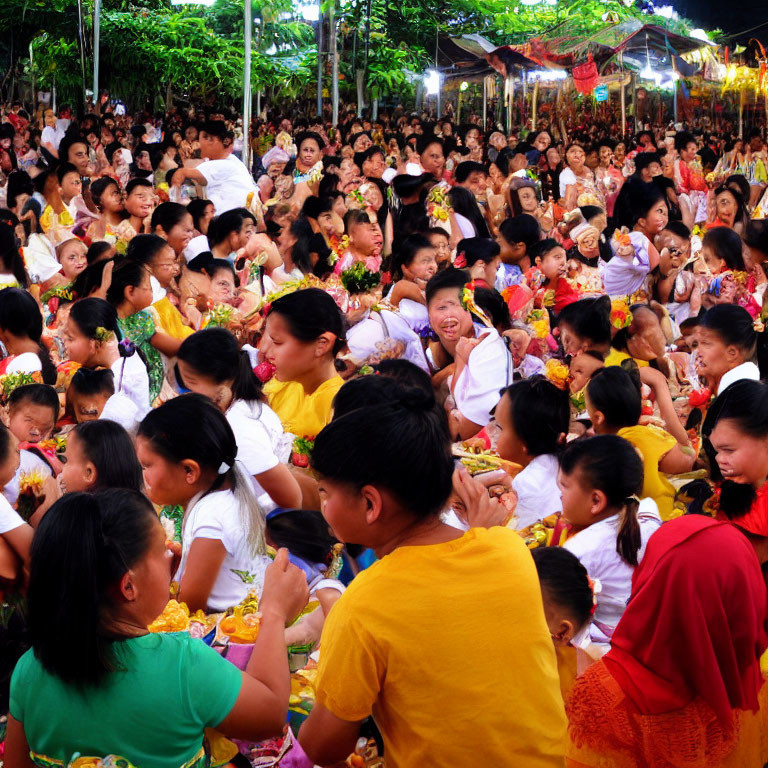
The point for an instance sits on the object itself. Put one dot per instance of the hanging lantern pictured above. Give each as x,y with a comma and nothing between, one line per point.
585,76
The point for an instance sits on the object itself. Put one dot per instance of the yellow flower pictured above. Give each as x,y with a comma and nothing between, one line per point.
540,328
558,373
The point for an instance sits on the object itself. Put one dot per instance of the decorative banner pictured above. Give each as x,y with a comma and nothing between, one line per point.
601,93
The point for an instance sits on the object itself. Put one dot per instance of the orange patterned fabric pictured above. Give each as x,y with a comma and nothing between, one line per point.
607,731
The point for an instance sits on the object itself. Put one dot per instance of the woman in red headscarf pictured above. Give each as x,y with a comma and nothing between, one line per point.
681,683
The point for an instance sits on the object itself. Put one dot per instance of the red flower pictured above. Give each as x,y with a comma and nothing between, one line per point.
386,278
697,398
264,371
460,262
299,459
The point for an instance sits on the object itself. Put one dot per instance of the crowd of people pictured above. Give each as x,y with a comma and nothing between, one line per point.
464,430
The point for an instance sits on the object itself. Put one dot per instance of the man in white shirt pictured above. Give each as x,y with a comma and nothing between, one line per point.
227,180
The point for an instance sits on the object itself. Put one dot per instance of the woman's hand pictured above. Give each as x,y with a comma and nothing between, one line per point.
285,588
472,502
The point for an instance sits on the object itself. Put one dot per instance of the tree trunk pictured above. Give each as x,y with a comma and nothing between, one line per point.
169,97
360,82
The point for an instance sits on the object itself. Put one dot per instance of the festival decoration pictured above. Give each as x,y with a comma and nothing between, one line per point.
621,316
358,279
469,303
557,372
302,450
11,381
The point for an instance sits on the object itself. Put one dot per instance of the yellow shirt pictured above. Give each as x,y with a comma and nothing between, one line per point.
302,414
617,357
447,646
171,320
653,443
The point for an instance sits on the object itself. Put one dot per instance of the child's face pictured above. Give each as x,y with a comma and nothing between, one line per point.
553,264
448,318
180,234
580,504
87,407
582,367
31,422
346,511
111,199
741,457
140,296
140,202
713,356
423,266
71,185
292,357
509,446
72,258
442,249
222,287
79,473
165,266
10,464
79,348
715,264
166,482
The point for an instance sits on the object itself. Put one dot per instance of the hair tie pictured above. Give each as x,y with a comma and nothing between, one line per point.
224,468
127,347
634,497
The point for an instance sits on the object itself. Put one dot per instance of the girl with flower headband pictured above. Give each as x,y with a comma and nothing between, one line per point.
188,454
601,479
92,338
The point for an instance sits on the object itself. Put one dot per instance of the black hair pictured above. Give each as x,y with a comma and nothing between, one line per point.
565,581
683,139
90,278
741,182
405,373
97,249
304,533
410,457
478,249
612,465
197,209
99,187
91,313
314,206
217,129
63,169
222,226
738,198
20,316
301,250
493,304
167,216
214,353
615,392
38,394
406,253
733,324
69,141
590,211
10,256
83,546
143,248
540,249
448,278
540,414
426,139
589,318
725,245
464,203
644,159
756,235
309,313
133,183
521,229
679,229
635,199
110,449
302,137
127,273
92,381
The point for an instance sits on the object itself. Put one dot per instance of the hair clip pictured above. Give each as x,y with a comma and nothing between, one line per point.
224,468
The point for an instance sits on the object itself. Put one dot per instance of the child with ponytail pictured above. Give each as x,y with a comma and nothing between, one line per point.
188,453
601,479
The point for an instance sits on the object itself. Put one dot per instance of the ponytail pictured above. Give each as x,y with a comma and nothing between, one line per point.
20,316
610,464
83,547
628,540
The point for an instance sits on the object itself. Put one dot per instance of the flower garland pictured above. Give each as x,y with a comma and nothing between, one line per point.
358,279
439,205
469,303
557,372
11,381
218,315
302,450
621,316
338,248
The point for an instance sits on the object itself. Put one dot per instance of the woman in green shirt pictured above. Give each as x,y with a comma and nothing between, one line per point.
95,683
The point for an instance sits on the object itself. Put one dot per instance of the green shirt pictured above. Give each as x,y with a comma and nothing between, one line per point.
152,711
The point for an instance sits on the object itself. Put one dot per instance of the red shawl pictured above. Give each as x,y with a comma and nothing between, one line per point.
695,626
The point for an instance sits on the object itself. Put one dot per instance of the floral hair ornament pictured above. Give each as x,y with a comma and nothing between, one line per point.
468,302
557,373
103,335
758,325
621,316
460,262
127,346
597,588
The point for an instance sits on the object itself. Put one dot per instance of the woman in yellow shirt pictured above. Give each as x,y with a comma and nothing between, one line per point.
614,407
444,638
304,332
